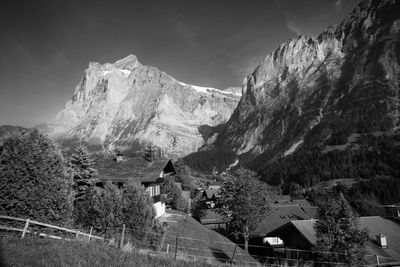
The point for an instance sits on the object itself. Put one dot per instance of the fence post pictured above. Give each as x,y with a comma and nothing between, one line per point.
377,260
90,234
25,228
233,256
122,236
176,245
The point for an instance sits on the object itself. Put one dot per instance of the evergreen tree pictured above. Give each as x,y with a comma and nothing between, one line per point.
338,232
174,195
85,176
34,181
108,208
102,209
138,212
243,199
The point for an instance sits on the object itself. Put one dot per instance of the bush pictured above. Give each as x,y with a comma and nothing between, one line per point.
174,195
102,209
108,208
138,212
34,181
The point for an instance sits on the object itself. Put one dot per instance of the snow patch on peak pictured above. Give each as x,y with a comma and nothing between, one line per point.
208,90
126,72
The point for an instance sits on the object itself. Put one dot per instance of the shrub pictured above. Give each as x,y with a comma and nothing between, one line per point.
34,181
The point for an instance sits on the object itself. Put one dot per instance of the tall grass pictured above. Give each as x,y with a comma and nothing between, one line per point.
33,251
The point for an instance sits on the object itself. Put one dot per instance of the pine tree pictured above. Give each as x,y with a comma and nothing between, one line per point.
108,208
85,176
138,212
243,200
338,232
102,209
174,195
34,181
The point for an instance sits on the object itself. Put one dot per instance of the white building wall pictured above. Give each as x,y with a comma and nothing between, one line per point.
159,208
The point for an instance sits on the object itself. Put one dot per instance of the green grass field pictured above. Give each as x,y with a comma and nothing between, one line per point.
47,252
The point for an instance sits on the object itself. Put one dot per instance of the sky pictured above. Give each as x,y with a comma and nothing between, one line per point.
45,46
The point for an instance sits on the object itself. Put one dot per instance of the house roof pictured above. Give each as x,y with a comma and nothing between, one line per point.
214,187
311,211
278,216
130,169
210,192
374,224
211,217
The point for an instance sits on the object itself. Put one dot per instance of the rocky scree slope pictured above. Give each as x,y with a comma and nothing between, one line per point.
126,103
313,90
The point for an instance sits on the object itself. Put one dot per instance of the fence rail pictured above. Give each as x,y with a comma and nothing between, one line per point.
29,222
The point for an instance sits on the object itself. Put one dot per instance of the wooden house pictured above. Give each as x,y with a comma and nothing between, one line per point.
150,174
299,237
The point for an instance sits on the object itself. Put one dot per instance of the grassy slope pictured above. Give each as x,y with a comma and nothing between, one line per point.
196,239
47,252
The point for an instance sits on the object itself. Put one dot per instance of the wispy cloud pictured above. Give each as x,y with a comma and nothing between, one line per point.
338,5
291,23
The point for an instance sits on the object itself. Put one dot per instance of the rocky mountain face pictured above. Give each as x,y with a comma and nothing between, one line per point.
318,91
124,104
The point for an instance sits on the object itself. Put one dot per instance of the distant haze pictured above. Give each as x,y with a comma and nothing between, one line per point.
46,45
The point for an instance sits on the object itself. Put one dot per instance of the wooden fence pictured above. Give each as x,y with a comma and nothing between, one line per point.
27,222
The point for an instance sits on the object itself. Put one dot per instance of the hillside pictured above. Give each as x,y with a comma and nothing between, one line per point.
196,239
47,252
313,93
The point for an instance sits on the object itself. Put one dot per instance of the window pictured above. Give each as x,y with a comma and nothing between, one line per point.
153,190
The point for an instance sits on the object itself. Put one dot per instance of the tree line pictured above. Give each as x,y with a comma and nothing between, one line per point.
40,181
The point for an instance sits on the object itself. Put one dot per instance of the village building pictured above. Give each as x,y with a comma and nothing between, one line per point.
213,220
149,173
282,210
299,237
210,195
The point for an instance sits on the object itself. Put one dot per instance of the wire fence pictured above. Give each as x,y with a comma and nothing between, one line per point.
181,247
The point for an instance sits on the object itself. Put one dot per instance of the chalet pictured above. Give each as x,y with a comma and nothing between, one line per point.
213,220
392,210
280,215
384,238
210,195
150,174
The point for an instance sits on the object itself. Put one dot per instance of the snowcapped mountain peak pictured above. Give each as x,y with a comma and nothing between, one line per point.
125,103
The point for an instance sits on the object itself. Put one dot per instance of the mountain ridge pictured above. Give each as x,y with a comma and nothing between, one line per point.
311,91
126,103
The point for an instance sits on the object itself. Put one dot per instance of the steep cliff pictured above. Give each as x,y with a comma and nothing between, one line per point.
317,91
127,103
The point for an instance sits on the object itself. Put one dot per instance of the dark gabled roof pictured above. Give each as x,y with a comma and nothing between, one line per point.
131,169
304,204
311,211
211,192
278,216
